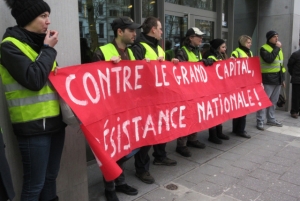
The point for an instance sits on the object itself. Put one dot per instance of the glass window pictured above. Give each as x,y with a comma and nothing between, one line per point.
175,29
148,8
79,6
101,30
207,27
225,14
201,4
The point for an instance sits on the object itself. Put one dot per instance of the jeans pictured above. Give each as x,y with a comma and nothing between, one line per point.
41,156
273,92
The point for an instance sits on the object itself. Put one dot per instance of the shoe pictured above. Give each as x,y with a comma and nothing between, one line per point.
196,144
111,195
260,126
55,199
213,136
145,177
166,161
124,188
183,151
243,134
220,133
275,123
295,116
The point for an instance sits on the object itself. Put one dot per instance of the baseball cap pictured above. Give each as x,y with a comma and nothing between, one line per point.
124,22
194,31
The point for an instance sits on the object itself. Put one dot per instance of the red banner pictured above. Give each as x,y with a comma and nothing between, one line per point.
134,103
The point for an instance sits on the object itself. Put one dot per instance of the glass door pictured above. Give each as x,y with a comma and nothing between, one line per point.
175,29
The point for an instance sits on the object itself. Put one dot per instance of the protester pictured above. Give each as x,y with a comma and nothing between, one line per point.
190,51
147,48
294,70
27,59
243,51
205,48
6,186
272,69
124,32
217,52
169,51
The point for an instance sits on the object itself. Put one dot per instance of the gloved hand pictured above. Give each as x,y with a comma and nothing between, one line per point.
208,62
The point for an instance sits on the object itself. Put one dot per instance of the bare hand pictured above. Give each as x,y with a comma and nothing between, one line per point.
147,60
278,44
283,84
175,61
160,58
115,59
51,38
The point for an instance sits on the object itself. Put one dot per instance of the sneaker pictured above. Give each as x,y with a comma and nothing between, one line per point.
260,126
145,177
111,195
124,188
166,161
183,151
275,123
196,144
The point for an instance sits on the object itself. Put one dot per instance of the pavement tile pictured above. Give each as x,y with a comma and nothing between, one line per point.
295,169
279,169
160,194
291,178
194,177
207,170
247,165
230,156
255,158
192,196
263,152
264,175
220,162
293,147
235,172
254,184
275,196
239,150
242,193
286,188
225,198
201,156
209,189
222,180
289,155
281,161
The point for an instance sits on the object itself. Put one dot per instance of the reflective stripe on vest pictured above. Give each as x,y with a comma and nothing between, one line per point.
109,50
239,53
213,57
26,105
277,63
191,55
151,54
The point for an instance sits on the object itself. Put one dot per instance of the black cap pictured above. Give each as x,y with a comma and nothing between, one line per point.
194,31
215,43
25,11
124,22
270,34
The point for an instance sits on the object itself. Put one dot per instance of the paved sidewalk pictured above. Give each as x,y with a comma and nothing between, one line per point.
265,167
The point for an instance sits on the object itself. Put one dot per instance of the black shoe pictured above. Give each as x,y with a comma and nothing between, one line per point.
243,134
183,151
111,195
196,144
124,188
223,136
215,140
166,161
145,177
295,116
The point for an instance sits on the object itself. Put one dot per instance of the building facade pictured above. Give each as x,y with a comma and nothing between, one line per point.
85,24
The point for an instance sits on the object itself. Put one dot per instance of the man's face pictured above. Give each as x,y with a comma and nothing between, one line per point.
157,31
274,39
39,24
128,36
196,40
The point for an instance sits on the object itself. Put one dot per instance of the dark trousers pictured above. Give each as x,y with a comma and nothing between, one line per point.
41,156
142,159
110,185
3,194
295,98
239,124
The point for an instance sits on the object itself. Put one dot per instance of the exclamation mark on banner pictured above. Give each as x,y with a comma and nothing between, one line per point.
259,103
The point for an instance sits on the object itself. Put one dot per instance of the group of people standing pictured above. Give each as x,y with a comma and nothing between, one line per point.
28,57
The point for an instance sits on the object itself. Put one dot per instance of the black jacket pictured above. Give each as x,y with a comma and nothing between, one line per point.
139,50
271,78
31,75
294,67
6,186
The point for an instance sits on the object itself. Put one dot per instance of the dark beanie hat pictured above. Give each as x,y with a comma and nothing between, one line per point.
25,11
270,34
215,43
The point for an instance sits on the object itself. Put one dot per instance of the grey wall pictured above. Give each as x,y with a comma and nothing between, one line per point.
72,182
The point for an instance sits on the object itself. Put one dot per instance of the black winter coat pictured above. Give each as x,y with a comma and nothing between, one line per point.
294,67
6,186
271,78
31,75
